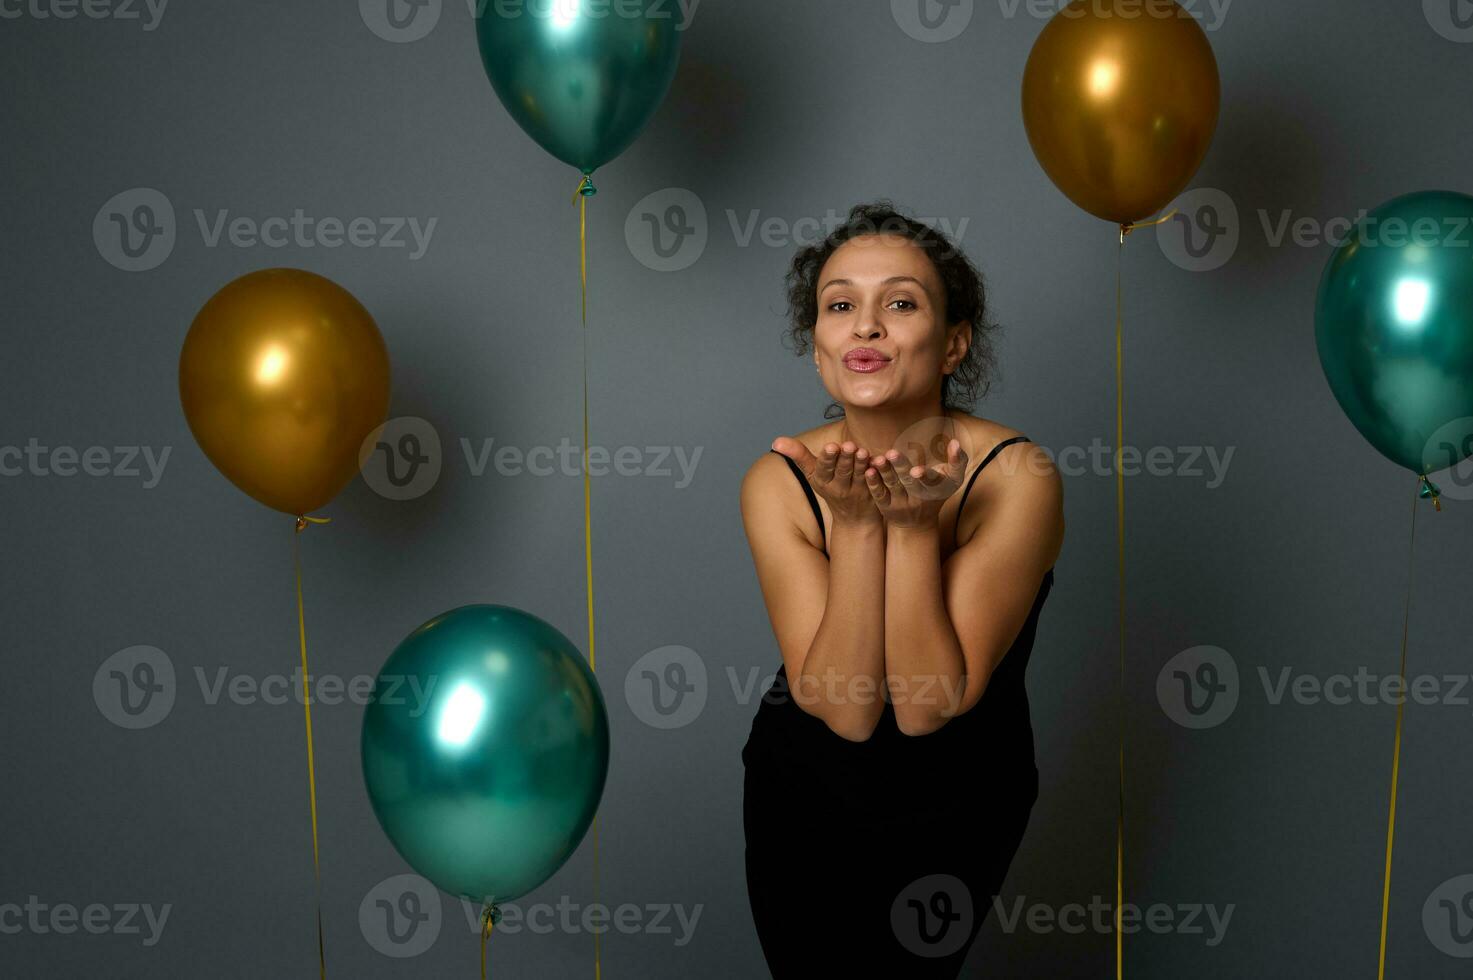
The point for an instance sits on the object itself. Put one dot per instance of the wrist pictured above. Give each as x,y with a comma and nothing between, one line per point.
919,529
865,522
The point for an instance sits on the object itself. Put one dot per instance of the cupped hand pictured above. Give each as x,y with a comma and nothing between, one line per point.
837,475
909,495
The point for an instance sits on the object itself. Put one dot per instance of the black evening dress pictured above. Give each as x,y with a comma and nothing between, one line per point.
882,858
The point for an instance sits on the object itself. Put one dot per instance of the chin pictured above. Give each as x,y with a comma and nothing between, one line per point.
868,394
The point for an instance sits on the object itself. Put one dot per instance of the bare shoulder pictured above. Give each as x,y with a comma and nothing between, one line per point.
1021,478
770,469
771,495
762,477
980,437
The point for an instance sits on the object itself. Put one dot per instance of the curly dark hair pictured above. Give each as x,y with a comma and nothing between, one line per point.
966,295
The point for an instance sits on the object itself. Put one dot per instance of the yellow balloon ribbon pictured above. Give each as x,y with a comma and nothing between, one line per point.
1120,570
489,916
1406,618
581,194
301,525
1125,229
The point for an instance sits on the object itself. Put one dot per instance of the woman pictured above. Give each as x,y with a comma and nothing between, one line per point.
890,770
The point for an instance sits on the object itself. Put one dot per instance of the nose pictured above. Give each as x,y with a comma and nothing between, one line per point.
867,325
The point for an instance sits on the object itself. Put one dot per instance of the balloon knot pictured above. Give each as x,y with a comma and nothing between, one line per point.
490,916
303,520
585,186
1429,489
1129,226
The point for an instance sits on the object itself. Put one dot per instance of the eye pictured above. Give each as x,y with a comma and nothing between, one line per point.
842,302
906,301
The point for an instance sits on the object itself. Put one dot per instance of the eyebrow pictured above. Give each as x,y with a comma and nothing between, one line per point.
848,282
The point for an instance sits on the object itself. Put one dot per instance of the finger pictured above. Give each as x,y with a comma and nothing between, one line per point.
797,452
861,463
933,477
901,467
877,489
824,472
844,466
956,461
887,473
909,479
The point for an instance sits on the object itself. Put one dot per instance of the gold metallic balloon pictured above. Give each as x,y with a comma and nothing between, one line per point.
282,376
1120,99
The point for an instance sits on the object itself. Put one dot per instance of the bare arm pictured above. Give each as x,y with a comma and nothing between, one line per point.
947,627
823,613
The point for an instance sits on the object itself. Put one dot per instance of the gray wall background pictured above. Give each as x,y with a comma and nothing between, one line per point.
1297,559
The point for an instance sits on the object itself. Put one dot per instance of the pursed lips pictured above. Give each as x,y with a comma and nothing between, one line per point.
865,360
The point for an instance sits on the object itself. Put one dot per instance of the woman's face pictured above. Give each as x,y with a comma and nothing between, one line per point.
881,335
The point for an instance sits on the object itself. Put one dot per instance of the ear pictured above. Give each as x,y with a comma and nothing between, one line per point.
958,342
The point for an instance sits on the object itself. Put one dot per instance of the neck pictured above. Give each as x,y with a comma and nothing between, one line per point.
879,429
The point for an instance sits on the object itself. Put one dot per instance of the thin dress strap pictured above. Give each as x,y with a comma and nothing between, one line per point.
995,450
812,498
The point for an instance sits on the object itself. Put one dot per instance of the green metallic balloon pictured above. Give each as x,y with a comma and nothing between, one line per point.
582,77
485,751
1394,328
